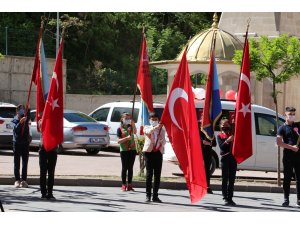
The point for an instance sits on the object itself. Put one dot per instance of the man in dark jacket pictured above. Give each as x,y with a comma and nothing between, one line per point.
21,140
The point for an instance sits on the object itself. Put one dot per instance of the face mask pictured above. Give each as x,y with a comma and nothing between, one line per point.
225,129
291,118
153,123
126,122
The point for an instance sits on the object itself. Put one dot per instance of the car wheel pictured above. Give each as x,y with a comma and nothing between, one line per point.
60,149
92,151
213,165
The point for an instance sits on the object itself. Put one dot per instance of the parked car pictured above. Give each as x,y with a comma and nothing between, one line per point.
264,131
110,114
7,113
80,131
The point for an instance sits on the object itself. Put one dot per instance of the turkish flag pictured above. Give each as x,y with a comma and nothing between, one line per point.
242,144
180,120
52,120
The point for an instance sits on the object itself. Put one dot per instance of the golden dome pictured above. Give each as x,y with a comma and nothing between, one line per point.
198,48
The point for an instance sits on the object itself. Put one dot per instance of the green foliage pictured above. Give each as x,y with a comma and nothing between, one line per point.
277,58
102,49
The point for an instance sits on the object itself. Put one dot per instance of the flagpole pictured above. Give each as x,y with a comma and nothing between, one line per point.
30,86
137,73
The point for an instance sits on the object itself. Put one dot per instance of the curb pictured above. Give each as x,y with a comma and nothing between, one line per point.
142,184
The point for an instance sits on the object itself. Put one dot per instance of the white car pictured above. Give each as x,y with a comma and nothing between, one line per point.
110,114
264,131
7,113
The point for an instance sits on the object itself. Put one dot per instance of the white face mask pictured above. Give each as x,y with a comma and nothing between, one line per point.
126,122
291,118
153,123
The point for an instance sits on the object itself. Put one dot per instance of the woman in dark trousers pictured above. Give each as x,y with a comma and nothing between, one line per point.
47,161
125,135
228,162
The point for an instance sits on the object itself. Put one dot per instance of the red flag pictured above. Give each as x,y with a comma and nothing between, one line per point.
52,120
180,120
144,83
242,145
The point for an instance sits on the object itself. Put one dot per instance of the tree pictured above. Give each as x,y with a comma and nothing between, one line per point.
276,59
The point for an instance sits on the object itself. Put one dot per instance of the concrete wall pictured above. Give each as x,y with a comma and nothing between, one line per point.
87,103
15,77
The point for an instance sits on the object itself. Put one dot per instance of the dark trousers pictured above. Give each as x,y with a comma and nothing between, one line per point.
290,163
207,154
153,162
127,159
229,166
20,150
47,165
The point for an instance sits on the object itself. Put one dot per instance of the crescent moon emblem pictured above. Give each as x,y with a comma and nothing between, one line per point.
176,94
246,80
55,77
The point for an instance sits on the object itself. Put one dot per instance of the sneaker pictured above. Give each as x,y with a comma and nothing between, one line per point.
51,197
24,184
209,191
148,199
286,203
226,202
130,188
156,200
124,187
17,184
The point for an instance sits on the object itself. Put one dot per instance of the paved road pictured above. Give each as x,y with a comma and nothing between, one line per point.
107,199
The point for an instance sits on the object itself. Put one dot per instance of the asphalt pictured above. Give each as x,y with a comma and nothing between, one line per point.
103,170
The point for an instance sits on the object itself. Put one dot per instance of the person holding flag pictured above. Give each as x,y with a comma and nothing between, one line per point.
51,126
153,151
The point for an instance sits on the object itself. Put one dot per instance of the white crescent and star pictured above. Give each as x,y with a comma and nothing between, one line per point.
245,107
55,77
175,95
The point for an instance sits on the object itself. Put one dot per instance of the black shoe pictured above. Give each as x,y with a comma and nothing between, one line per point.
156,200
232,203
44,197
148,199
209,191
286,203
51,197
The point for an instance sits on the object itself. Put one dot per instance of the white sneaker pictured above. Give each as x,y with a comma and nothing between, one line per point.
17,184
24,184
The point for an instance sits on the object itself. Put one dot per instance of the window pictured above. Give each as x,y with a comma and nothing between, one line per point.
266,124
7,112
78,117
101,114
118,111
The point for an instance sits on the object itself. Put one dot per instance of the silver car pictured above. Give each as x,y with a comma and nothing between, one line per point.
80,131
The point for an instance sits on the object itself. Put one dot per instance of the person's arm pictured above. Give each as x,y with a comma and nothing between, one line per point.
279,141
222,142
121,139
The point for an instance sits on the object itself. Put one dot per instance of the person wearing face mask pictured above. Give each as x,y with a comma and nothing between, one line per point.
287,138
125,134
228,162
21,141
153,151
207,154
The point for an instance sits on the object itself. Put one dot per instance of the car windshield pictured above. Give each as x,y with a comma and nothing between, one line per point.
75,117
7,112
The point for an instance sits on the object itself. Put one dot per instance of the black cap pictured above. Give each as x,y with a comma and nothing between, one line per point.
290,109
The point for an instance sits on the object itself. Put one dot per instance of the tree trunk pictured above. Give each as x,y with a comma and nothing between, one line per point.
278,147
